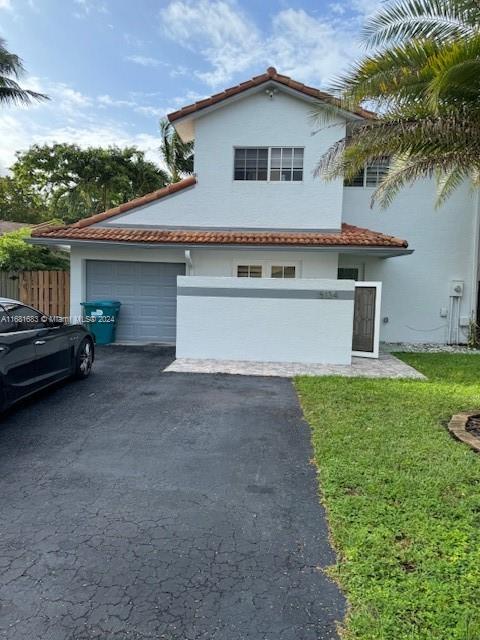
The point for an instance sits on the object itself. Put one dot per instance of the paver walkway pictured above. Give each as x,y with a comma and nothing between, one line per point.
386,366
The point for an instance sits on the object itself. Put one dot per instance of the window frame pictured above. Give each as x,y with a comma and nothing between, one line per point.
269,163
374,166
283,267
267,265
249,266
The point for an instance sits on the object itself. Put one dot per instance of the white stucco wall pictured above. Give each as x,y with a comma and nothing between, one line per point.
238,319
223,262
206,262
218,200
416,287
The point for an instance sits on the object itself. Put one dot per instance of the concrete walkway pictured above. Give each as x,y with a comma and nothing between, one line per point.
386,366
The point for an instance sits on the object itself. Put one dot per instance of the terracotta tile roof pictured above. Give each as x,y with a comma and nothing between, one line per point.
270,75
138,202
349,236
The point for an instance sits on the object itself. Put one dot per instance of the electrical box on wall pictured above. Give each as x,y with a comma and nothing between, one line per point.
456,288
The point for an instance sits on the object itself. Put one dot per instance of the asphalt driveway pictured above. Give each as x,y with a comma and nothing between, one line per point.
141,505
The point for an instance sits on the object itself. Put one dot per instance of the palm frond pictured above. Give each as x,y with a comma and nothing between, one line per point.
439,20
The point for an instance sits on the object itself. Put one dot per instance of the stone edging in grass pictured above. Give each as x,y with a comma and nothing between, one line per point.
457,425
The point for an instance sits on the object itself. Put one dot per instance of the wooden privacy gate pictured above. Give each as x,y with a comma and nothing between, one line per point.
366,319
47,291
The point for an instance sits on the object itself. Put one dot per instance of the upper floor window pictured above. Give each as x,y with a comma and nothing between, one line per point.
251,164
371,175
286,164
277,164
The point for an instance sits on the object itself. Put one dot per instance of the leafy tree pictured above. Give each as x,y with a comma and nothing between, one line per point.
177,155
19,203
423,78
11,69
74,182
18,255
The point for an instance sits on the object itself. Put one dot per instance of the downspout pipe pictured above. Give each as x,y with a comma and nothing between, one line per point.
188,262
475,249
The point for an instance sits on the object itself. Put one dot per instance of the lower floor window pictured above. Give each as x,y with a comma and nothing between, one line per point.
249,271
287,271
347,273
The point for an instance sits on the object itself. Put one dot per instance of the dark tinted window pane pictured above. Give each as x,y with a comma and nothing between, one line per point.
242,271
275,159
356,181
277,272
251,164
6,325
286,175
289,272
347,273
263,158
297,175
298,159
287,157
24,318
275,174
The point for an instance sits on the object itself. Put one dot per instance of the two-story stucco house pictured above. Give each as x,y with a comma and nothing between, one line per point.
255,258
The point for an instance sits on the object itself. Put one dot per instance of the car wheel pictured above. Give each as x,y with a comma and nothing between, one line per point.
84,360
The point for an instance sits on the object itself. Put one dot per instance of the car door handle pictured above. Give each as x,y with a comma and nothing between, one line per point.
39,342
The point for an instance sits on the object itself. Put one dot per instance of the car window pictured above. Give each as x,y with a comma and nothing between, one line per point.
24,318
6,324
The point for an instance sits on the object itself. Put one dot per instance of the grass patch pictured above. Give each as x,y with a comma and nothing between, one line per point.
403,498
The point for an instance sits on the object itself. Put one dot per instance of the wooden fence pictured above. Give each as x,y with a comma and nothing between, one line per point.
48,291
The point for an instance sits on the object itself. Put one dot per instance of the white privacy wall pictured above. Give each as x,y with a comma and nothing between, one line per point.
265,320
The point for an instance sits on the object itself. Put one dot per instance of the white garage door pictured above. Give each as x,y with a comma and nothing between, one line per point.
147,291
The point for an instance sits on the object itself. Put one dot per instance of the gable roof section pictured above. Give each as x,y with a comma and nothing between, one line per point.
134,204
85,230
270,75
350,236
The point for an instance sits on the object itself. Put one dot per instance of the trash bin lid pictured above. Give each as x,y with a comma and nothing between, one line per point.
102,303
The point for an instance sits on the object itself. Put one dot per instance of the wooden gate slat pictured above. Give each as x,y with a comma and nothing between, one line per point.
47,291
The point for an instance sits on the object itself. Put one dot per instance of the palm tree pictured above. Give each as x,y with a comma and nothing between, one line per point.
423,78
11,68
177,155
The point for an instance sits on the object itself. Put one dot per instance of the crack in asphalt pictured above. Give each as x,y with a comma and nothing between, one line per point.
140,505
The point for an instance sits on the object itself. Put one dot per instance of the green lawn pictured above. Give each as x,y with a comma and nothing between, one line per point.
402,497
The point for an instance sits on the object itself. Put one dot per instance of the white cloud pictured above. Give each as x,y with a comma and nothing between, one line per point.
6,4
87,7
307,48
218,29
310,47
107,101
145,61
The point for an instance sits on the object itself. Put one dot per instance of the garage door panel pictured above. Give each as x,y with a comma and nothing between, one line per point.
147,291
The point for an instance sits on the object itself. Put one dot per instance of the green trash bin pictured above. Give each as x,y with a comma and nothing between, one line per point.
100,318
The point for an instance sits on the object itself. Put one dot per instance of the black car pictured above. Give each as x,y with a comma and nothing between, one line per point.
36,351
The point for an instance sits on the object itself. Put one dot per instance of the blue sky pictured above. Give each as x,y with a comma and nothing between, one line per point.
114,67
